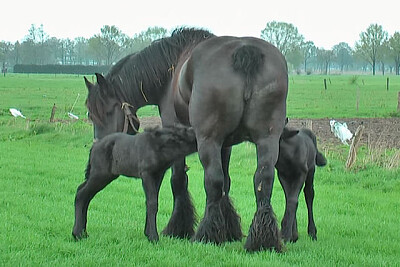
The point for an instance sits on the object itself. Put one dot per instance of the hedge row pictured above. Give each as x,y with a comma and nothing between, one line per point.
60,69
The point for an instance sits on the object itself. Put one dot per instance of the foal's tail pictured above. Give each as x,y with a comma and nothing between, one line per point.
320,159
248,60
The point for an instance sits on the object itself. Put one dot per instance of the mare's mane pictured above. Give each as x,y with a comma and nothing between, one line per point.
142,76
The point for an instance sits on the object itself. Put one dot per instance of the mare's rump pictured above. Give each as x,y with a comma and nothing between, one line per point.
238,92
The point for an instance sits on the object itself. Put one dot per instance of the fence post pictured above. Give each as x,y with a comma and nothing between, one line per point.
398,102
53,112
387,84
325,84
353,148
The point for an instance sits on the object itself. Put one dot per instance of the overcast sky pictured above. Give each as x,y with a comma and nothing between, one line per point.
326,23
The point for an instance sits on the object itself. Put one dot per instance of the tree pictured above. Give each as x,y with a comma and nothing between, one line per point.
394,46
308,51
284,36
343,55
112,40
81,50
371,43
324,58
144,39
96,49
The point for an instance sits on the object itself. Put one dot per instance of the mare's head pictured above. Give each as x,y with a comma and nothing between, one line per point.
108,113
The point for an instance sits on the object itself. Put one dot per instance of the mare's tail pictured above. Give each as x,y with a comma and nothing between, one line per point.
320,159
248,60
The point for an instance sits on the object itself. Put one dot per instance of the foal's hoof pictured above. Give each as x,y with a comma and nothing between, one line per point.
80,236
153,238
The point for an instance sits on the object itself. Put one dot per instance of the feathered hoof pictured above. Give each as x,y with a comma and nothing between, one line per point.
183,219
212,228
232,220
264,233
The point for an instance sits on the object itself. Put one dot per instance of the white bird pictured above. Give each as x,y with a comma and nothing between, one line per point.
341,131
16,113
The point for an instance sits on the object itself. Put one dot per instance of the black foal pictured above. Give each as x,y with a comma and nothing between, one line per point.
298,156
146,155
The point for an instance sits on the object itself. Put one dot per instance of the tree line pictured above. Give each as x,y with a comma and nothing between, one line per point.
374,51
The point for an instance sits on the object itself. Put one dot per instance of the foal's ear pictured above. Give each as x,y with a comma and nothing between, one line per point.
288,133
89,85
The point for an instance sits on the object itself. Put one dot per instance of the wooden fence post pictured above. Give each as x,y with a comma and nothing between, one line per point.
387,84
53,112
353,148
398,102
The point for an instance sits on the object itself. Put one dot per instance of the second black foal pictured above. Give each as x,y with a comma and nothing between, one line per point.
146,155
298,156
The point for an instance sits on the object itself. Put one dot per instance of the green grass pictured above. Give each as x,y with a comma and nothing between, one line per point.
308,98
41,165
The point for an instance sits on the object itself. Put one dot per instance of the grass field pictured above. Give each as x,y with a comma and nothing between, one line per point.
41,164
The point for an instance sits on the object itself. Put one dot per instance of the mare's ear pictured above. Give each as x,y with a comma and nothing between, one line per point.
89,85
101,80
105,88
288,133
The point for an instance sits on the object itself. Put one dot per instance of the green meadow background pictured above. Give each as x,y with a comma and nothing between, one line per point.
356,211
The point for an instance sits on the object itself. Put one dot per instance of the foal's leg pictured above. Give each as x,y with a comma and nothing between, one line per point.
264,232
85,193
309,196
151,185
232,219
212,228
183,218
292,187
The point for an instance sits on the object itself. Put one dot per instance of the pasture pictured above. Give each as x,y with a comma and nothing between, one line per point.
42,163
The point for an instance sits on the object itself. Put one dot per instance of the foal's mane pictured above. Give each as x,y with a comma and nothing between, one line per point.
143,75
172,137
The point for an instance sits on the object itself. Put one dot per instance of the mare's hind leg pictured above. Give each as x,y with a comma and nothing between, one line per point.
309,196
232,219
291,187
85,193
183,218
212,228
151,185
264,232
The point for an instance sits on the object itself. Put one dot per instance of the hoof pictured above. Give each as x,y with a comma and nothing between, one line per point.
183,219
232,220
80,236
212,228
264,233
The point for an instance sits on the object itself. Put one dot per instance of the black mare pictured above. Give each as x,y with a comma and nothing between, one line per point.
228,89
298,156
146,155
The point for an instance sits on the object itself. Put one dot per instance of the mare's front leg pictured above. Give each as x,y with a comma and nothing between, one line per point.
309,196
151,185
212,228
232,219
264,232
85,193
183,218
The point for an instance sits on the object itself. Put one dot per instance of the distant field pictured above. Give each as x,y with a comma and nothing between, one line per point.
307,98
42,163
